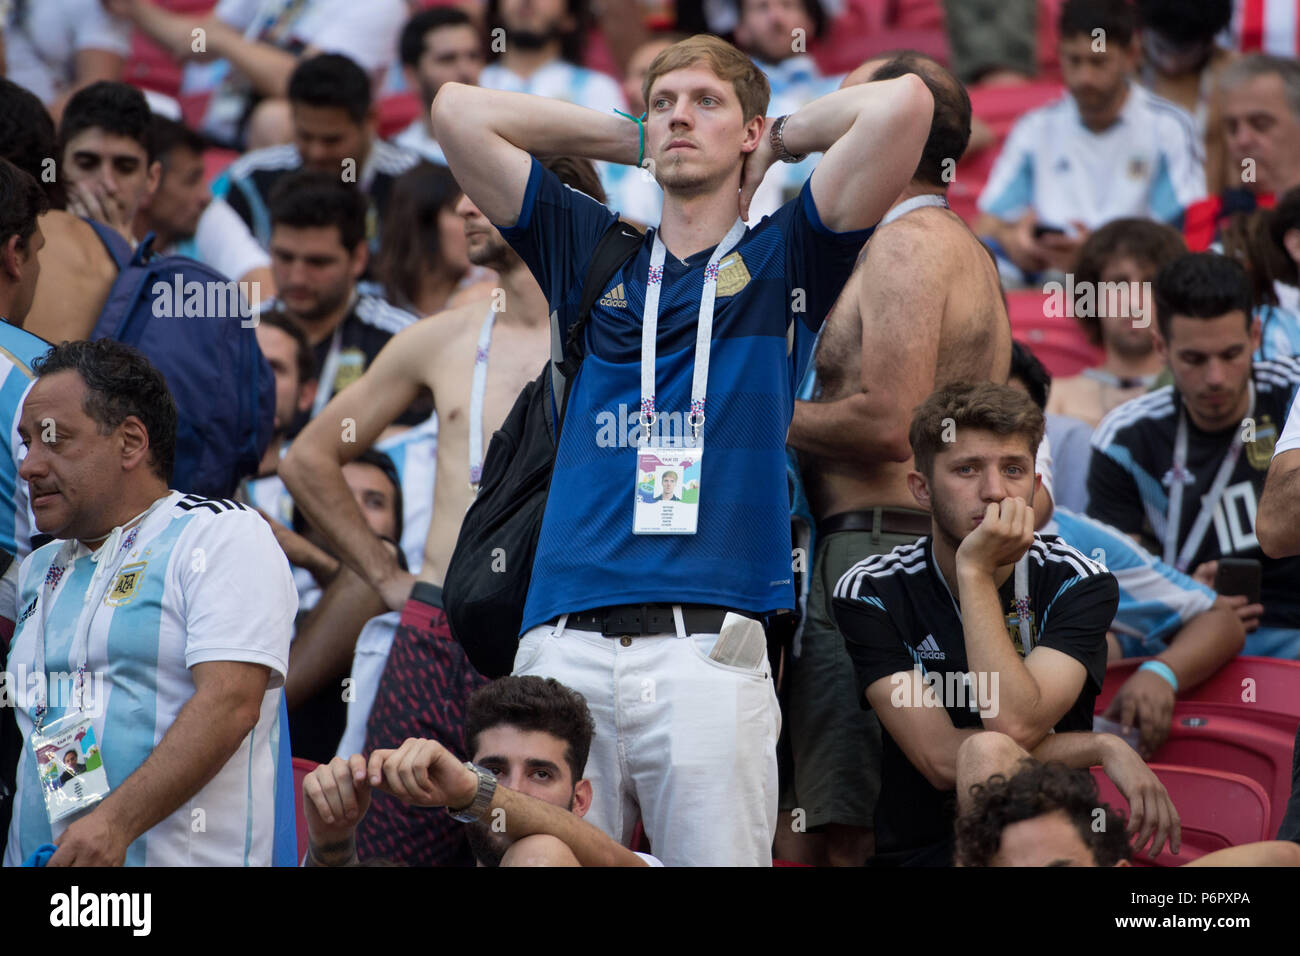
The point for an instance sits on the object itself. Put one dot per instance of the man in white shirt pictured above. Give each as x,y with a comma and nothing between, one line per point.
251,47
438,46
174,610
1107,150
55,47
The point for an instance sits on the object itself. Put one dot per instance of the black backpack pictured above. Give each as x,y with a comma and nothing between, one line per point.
492,564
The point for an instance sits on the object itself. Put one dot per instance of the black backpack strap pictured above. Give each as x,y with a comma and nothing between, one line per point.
619,243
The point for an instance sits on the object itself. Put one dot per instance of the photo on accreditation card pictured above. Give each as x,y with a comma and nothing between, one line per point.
71,770
667,492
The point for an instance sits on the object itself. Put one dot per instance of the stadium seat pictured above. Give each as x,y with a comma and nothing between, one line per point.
918,15
1260,689
396,113
215,162
301,768
1216,809
1056,340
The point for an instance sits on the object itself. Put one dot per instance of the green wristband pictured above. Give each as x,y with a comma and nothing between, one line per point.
640,125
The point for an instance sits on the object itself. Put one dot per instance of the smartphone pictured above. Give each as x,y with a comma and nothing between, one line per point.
1041,230
1239,576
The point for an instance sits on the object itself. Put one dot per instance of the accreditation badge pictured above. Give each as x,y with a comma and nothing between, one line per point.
667,499
70,766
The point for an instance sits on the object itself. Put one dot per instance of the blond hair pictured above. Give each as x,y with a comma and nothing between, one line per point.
722,58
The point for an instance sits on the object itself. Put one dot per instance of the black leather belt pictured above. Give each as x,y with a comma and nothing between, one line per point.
631,620
891,521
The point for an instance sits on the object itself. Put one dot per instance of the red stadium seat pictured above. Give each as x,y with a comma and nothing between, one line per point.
397,112
1214,727
1056,340
301,768
918,15
1000,106
1216,809
1259,689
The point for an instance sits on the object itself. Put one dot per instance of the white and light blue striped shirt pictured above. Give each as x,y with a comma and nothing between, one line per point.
195,581
1149,163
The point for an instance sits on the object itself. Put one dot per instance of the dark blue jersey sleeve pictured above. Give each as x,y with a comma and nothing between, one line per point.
556,234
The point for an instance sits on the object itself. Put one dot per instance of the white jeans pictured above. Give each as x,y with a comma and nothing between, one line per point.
683,743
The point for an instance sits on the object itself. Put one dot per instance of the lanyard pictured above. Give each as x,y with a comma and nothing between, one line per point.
478,389
1208,503
703,333
330,368
916,202
1021,590
119,540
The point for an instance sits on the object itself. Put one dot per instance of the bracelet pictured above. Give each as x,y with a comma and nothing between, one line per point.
1164,670
776,138
640,125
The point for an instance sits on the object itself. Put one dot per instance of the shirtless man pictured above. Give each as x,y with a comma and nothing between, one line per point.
76,269
438,353
923,309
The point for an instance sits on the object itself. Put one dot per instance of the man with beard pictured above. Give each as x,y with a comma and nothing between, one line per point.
543,44
529,737
181,215
1123,256
334,131
318,255
438,46
982,625
1182,468
500,344
1109,149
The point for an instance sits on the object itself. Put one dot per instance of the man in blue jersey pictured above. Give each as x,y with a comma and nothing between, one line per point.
685,713
158,623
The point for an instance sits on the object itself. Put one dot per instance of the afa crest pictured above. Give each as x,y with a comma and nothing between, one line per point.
1013,630
733,275
126,585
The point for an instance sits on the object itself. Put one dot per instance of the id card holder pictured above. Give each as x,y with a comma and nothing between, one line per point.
69,765
667,494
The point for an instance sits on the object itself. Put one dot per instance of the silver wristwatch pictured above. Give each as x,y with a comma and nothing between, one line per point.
477,809
777,140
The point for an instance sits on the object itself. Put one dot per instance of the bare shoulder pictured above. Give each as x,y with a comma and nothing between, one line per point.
918,243
76,244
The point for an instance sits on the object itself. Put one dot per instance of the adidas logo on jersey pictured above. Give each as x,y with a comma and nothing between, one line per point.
929,650
615,298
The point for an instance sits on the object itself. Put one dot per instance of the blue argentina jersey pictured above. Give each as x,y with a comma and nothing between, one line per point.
1155,600
773,291
18,349
196,581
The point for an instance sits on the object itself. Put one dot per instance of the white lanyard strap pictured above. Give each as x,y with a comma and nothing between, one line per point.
1022,602
703,332
1182,559
478,389
105,560
328,372
916,202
